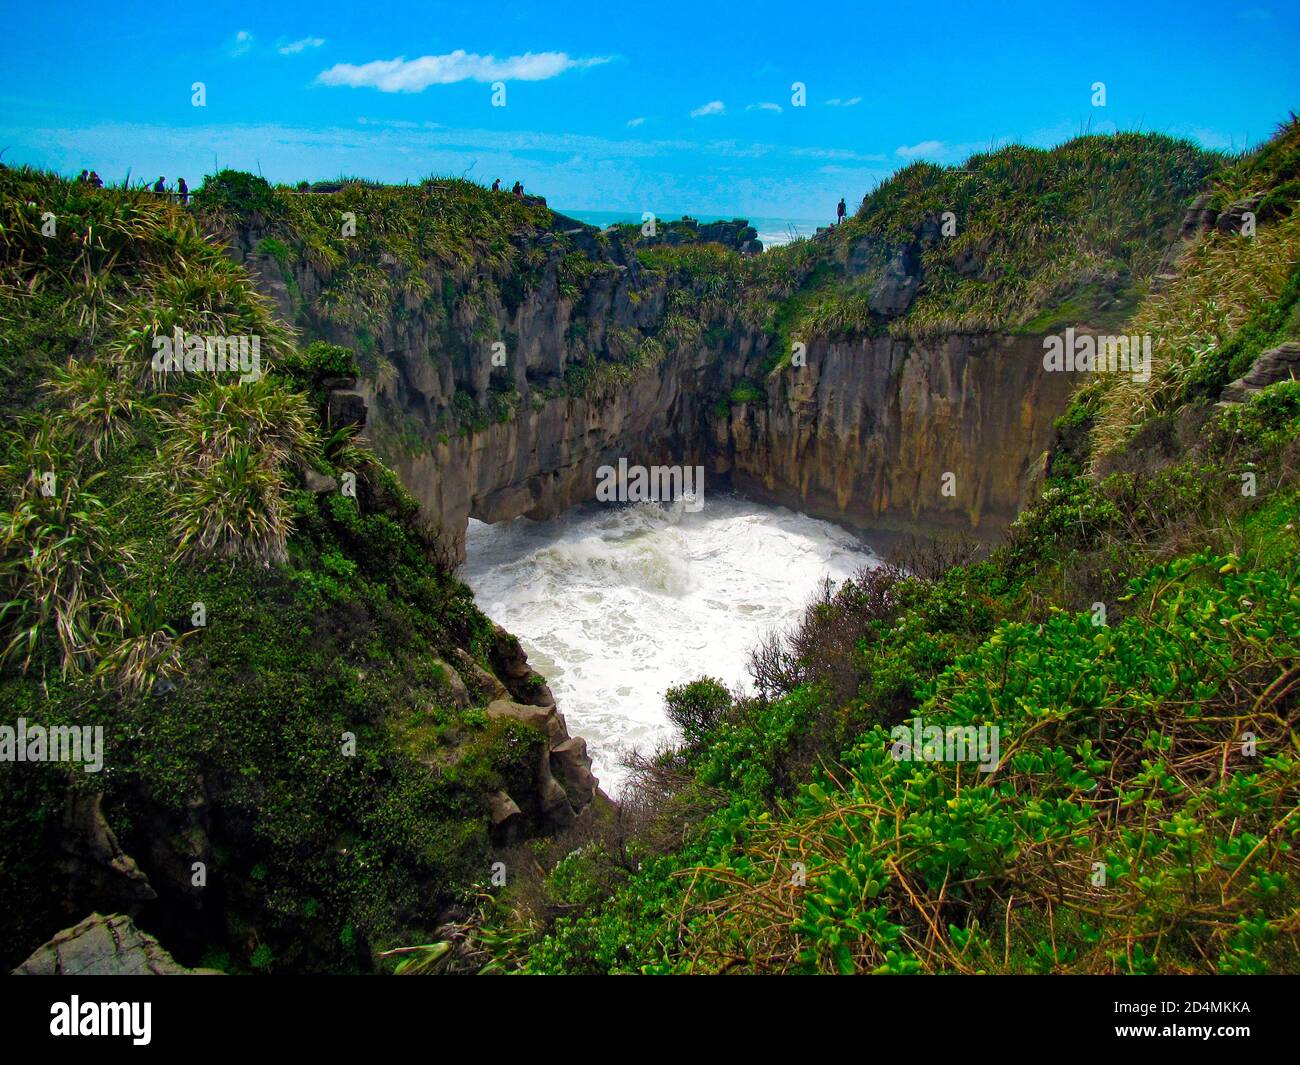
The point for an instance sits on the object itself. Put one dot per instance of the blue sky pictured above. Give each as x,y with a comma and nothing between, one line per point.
668,107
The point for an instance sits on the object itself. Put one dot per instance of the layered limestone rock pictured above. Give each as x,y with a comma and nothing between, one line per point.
864,433
1281,363
549,804
559,786
104,946
868,432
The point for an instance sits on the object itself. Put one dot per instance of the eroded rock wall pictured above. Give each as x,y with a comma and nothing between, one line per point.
867,432
863,433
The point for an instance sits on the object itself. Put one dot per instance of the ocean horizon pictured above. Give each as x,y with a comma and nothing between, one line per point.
772,231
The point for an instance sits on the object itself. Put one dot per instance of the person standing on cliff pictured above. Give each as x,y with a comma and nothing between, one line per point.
840,212
183,191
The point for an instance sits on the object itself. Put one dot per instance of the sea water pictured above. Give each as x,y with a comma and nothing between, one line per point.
616,603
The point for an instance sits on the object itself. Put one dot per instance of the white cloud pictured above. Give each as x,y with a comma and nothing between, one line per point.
764,107
912,151
294,47
713,107
838,153
944,152
416,75
242,42
1214,139
852,101
632,123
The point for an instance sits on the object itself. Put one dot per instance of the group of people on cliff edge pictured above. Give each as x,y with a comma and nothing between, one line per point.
182,193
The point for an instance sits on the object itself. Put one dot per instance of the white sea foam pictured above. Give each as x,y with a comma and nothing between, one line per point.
614,604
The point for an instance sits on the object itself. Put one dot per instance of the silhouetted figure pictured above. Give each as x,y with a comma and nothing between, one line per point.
83,178
840,212
183,190
496,185
96,182
160,186
518,190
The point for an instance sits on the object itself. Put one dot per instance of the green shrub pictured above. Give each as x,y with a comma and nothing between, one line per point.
695,709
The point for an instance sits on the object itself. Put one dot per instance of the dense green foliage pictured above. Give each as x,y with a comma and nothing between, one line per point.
1136,644
181,564
228,627
1017,238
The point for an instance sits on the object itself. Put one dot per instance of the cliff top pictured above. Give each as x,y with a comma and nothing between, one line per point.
1016,239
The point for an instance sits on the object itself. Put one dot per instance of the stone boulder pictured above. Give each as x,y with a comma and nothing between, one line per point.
557,809
486,685
506,820
896,290
319,483
346,408
546,719
457,690
104,946
571,765
526,685
1233,216
1281,363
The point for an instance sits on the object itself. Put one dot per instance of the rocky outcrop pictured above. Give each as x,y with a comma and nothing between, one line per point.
737,234
561,785
1281,363
96,867
104,946
506,819
572,767
899,286
1200,217
867,432
510,662
1232,219
864,433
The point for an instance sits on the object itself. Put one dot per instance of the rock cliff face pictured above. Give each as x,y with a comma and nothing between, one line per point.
869,430
863,433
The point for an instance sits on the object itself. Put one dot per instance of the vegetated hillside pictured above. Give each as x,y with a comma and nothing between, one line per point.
197,577
244,598
508,352
437,271
1068,234
736,234
1017,239
1137,643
